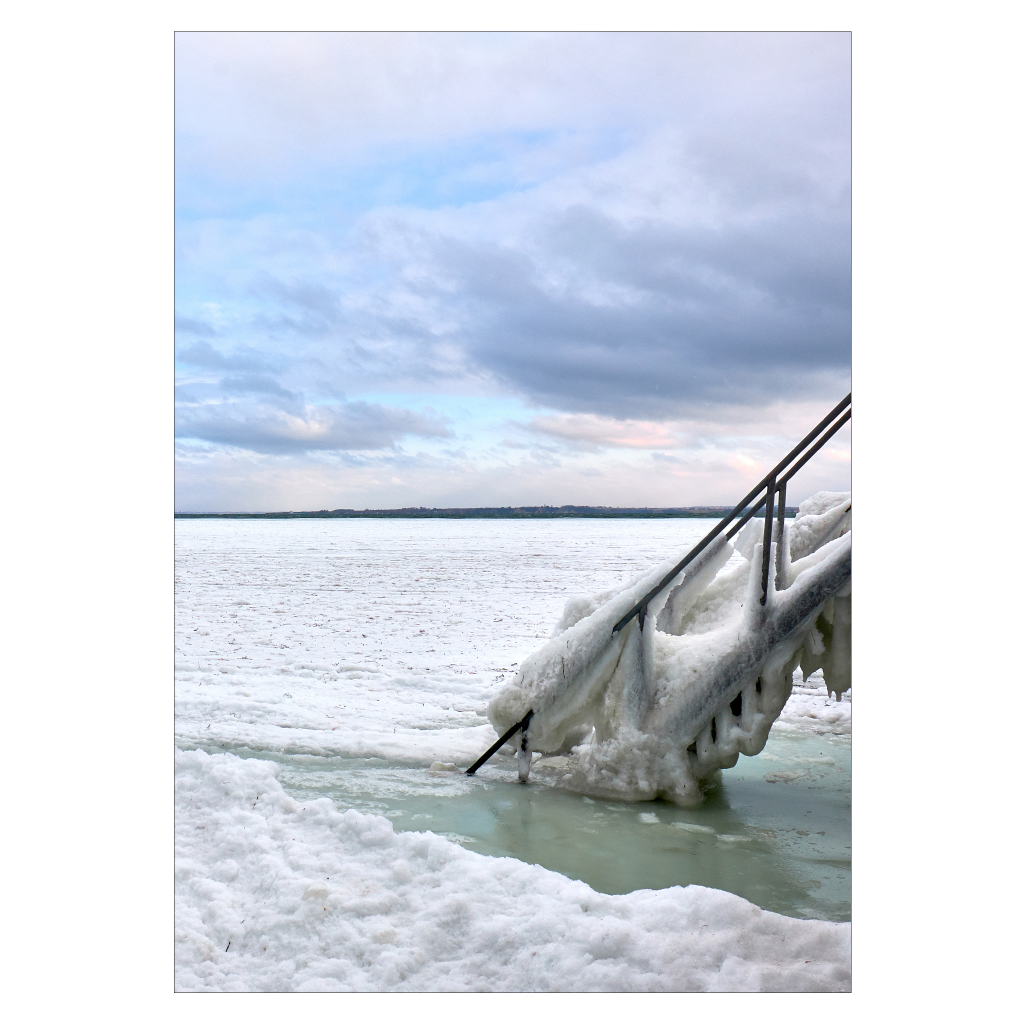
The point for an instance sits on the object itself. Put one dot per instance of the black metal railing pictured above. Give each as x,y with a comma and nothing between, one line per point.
774,483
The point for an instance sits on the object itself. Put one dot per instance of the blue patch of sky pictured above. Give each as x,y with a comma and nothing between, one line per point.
455,173
465,411
479,422
327,200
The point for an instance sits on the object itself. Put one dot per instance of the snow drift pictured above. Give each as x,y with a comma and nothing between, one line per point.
275,895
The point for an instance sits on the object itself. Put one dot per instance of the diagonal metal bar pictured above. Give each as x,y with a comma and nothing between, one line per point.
774,474
495,747
814,451
746,518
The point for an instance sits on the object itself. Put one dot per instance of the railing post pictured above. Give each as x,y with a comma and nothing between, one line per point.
780,583
523,757
766,552
502,740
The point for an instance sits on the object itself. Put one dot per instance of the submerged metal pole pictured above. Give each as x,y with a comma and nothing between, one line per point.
502,740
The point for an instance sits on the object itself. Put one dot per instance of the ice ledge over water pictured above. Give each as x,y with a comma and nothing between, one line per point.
658,712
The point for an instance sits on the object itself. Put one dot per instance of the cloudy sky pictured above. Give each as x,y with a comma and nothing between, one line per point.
507,269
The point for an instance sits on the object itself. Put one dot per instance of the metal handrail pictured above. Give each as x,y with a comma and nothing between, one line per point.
781,486
771,484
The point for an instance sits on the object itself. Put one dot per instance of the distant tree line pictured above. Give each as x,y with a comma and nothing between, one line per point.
506,512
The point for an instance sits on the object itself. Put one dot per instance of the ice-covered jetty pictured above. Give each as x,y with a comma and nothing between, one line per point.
658,707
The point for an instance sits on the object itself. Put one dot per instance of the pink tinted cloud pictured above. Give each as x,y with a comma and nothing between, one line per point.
606,432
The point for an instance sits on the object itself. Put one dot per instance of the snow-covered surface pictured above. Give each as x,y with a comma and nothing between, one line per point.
381,638
385,639
273,895
378,637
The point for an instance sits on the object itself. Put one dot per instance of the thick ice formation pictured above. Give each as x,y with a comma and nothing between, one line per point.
668,705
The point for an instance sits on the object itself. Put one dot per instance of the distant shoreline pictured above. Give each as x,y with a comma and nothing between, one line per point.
523,512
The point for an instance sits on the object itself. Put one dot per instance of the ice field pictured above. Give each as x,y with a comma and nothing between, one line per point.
323,667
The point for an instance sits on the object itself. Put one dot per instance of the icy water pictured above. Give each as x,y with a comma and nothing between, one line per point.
783,844
356,652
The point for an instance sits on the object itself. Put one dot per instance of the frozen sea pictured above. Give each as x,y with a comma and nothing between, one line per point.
322,667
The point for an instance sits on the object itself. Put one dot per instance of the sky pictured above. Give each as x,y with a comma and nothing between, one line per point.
488,269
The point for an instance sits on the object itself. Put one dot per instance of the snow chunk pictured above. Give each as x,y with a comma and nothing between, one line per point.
823,501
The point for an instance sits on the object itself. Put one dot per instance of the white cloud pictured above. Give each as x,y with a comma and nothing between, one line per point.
263,100
353,426
643,237
606,432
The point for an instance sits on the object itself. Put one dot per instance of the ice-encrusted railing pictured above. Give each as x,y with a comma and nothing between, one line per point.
666,708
